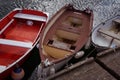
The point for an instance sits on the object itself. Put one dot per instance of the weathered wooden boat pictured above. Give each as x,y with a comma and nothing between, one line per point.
19,33
65,34
107,34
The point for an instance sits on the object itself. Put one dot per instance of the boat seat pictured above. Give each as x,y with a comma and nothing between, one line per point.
30,17
55,52
109,33
67,35
16,43
59,44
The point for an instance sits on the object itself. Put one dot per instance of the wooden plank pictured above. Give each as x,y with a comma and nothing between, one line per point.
85,70
16,43
109,33
111,59
30,17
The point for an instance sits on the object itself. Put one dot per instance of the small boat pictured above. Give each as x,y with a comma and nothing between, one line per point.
64,35
19,33
107,34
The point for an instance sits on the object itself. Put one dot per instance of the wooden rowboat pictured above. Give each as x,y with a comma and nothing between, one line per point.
107,34
65,34
19,33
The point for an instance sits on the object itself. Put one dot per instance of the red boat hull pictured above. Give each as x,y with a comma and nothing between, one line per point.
19,33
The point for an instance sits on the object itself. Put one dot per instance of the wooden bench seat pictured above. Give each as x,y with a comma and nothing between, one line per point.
16,43
55,52
67,35
109,33
30,17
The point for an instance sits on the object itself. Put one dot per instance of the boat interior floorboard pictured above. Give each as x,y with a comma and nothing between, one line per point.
9,54
23,32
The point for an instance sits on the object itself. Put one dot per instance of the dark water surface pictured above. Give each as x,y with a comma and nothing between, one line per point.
103,9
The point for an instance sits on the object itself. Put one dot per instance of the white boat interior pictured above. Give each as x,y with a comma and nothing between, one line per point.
107,34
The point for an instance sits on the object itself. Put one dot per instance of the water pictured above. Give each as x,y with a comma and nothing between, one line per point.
102,9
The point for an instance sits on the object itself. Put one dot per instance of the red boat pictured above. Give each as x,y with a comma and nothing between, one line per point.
64,35
19,33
